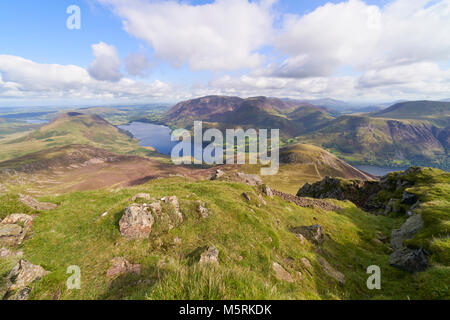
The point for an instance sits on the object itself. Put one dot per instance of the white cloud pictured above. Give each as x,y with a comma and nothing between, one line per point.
363,37
223,35
107,64
137,64
22,78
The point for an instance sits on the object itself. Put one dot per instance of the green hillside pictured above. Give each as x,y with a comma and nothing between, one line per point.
362,139
71,128
253,239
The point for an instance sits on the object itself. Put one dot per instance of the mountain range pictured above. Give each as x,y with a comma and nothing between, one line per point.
406,133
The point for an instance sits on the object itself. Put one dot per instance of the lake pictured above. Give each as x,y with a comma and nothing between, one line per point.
155,136
377,170
151,135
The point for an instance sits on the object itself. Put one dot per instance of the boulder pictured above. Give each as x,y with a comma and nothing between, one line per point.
281,273
143,196
210,256
11,232
36,205
219,174
137,222
201,209
267,191
121,266
411,260
5,253
23,274
313,233
409,198
413,225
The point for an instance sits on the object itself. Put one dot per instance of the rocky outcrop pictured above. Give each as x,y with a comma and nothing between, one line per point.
366,194
139,220
5,253
307,203
313,233
210,256
201,209
267,191
36,205
412,260
359,192
413,225
14,228
219,174
121,266
20,277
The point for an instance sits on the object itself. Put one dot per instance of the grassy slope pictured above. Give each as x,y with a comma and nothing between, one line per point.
302,163
76,234
67,130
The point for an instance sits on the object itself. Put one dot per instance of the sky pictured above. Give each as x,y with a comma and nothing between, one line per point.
149,51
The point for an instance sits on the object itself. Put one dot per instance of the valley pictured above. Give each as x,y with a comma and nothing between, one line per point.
218,232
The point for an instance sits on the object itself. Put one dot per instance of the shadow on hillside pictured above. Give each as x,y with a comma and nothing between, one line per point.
133,286
352,260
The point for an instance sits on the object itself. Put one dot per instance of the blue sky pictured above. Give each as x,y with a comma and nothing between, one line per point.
352,50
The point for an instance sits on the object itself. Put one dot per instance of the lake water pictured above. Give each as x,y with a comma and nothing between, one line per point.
378,171
159,137
156,136
151,135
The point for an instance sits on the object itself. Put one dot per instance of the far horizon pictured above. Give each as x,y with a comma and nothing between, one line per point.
63,53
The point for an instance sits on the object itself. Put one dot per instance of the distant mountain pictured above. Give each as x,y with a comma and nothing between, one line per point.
71,128
434,111
291,117
364,139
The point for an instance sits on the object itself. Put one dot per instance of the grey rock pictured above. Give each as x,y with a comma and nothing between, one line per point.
36,205
313,233
21,294
267,191
281,273
23,274
219,174
409,260
137,222
201,209
413,225
210,256
409,198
